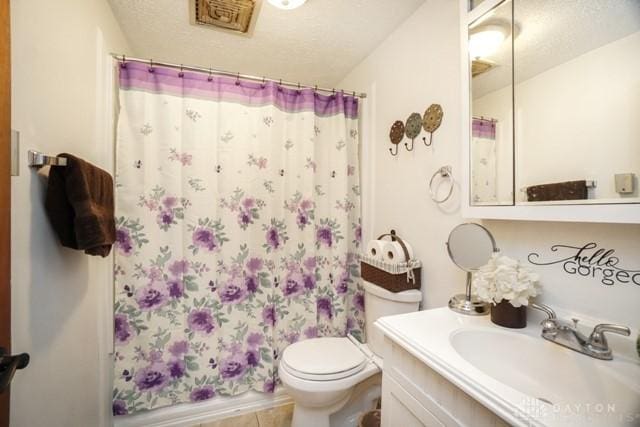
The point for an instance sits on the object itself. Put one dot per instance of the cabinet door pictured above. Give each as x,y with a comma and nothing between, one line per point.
399,408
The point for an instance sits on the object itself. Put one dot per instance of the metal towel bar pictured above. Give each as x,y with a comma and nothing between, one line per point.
37,159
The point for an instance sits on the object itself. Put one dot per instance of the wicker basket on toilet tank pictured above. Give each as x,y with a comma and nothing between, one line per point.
393,276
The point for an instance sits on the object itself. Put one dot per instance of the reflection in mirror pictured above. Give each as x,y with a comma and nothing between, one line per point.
491,145
470,247
577,101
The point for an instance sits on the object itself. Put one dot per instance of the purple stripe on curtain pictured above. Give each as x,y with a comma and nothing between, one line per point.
136,76
483,128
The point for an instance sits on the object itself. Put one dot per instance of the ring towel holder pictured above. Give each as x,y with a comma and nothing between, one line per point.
394,277
445,173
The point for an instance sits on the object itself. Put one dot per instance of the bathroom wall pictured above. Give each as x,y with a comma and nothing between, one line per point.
61,298
589,119
417,65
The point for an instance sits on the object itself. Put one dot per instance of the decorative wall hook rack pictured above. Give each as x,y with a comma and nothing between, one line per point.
412,127
37,159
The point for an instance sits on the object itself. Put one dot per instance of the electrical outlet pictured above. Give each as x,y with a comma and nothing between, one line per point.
624,183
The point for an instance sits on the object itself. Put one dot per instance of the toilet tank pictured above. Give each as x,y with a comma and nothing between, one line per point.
379,302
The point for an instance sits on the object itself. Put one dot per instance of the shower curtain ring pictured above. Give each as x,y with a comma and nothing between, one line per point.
263,82
238,79
123,64
151,65
210,78
181,73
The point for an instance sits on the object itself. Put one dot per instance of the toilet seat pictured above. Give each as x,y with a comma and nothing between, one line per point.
323,359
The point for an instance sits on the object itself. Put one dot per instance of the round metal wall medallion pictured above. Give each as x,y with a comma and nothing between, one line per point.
413,126
432,118
397,132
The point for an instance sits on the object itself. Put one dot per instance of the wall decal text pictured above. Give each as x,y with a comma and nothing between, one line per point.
591,261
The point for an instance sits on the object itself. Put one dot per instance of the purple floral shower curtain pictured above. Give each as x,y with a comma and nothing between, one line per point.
238,224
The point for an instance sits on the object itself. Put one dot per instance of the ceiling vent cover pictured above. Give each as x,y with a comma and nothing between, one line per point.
234,15
481,66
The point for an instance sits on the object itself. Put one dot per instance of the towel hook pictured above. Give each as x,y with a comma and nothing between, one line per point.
407,145
391,150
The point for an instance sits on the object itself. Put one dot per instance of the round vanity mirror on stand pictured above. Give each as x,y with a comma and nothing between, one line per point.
470,246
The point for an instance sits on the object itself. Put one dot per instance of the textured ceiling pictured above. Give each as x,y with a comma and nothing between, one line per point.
319,43
551,32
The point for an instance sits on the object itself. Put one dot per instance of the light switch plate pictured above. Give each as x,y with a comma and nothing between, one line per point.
15,153
624,183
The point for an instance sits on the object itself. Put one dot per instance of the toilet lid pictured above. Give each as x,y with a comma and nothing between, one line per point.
323,359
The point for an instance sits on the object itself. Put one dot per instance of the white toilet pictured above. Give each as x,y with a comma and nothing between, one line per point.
332,380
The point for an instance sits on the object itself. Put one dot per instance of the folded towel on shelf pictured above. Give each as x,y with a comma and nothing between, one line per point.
79,204
570,190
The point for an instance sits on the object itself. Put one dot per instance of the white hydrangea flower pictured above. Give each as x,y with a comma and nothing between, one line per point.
504,278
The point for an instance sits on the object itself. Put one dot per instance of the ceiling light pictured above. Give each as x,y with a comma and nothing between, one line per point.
486,40
287,4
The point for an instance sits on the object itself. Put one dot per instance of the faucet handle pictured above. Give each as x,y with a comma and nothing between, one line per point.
545,308
597,339
599,330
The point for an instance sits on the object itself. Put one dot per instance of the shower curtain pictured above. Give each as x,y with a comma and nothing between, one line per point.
238,224
484,165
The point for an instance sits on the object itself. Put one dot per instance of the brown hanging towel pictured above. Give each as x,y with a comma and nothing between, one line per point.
79,204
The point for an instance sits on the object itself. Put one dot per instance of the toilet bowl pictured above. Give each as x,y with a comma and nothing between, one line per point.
335,378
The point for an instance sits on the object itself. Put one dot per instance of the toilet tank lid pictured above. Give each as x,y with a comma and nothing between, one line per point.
413,295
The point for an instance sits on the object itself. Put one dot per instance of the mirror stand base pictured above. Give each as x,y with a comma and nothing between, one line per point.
470,306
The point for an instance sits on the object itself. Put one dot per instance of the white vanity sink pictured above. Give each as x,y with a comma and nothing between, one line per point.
547,371
518,375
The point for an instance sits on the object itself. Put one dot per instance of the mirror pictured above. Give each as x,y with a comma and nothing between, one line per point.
490,55
554,103
470,246
577,101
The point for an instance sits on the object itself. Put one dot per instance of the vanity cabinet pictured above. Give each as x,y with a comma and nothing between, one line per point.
414,395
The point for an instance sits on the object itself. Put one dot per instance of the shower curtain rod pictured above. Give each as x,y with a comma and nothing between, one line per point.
231,74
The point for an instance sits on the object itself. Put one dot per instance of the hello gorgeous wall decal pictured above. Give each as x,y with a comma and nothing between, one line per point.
590,261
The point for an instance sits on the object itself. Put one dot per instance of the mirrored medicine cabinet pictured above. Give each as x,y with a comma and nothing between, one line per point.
552,96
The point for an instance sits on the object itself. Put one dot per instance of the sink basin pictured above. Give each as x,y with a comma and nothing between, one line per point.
559,381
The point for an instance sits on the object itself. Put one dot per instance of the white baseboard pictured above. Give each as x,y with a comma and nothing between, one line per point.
190,414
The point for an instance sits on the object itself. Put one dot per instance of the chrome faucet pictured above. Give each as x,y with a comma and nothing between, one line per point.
568,335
